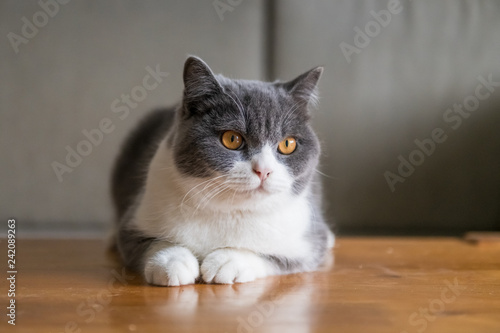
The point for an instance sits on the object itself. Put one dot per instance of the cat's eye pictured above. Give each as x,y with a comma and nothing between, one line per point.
287,146
232,140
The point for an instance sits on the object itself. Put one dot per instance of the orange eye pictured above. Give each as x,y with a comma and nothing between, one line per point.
232,140
287,146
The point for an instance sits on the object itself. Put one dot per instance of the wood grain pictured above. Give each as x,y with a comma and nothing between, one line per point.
375,285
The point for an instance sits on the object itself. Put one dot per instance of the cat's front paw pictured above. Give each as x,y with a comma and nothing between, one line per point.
228,266
171,266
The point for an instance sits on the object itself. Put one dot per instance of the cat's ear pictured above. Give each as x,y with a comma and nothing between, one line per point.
305,87
199,82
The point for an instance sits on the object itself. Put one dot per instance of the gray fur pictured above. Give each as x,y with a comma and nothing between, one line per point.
262,112
129,178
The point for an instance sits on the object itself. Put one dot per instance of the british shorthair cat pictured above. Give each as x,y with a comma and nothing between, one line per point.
223,188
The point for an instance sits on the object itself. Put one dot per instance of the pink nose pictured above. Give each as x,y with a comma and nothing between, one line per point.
262,173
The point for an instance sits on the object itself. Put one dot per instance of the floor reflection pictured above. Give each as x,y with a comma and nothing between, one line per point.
259,306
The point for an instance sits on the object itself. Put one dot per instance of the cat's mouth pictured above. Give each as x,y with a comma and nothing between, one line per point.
251,187
261,189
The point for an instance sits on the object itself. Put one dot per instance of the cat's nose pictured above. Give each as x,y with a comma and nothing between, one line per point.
263,173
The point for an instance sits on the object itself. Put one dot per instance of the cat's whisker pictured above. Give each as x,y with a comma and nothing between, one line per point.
238,104
199,205
289,112
325,175
209,181
225,188
288,115
207,187
207,196
237,182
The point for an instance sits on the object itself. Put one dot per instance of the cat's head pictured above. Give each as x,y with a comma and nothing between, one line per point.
246,140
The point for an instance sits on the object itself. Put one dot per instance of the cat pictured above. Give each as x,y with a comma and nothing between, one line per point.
223,188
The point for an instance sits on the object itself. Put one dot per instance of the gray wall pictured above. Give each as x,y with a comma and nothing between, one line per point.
65,79
394,91
374,105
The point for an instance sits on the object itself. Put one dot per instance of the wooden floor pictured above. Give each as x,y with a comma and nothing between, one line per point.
375,285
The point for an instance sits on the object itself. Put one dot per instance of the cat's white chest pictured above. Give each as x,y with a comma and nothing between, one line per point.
275,233
278,232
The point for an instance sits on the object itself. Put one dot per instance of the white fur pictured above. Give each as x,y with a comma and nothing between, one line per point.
229,265
168,265
330,239
234,211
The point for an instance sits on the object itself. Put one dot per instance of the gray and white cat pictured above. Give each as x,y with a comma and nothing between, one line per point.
221,189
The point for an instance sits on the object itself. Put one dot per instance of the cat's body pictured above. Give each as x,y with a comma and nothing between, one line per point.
191,204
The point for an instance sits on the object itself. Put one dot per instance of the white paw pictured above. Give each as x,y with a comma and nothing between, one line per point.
228,266
330,239
171,266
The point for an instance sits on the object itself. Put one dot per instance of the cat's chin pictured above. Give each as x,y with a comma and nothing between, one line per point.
256,193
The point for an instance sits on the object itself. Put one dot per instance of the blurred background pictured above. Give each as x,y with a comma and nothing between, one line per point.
409,113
